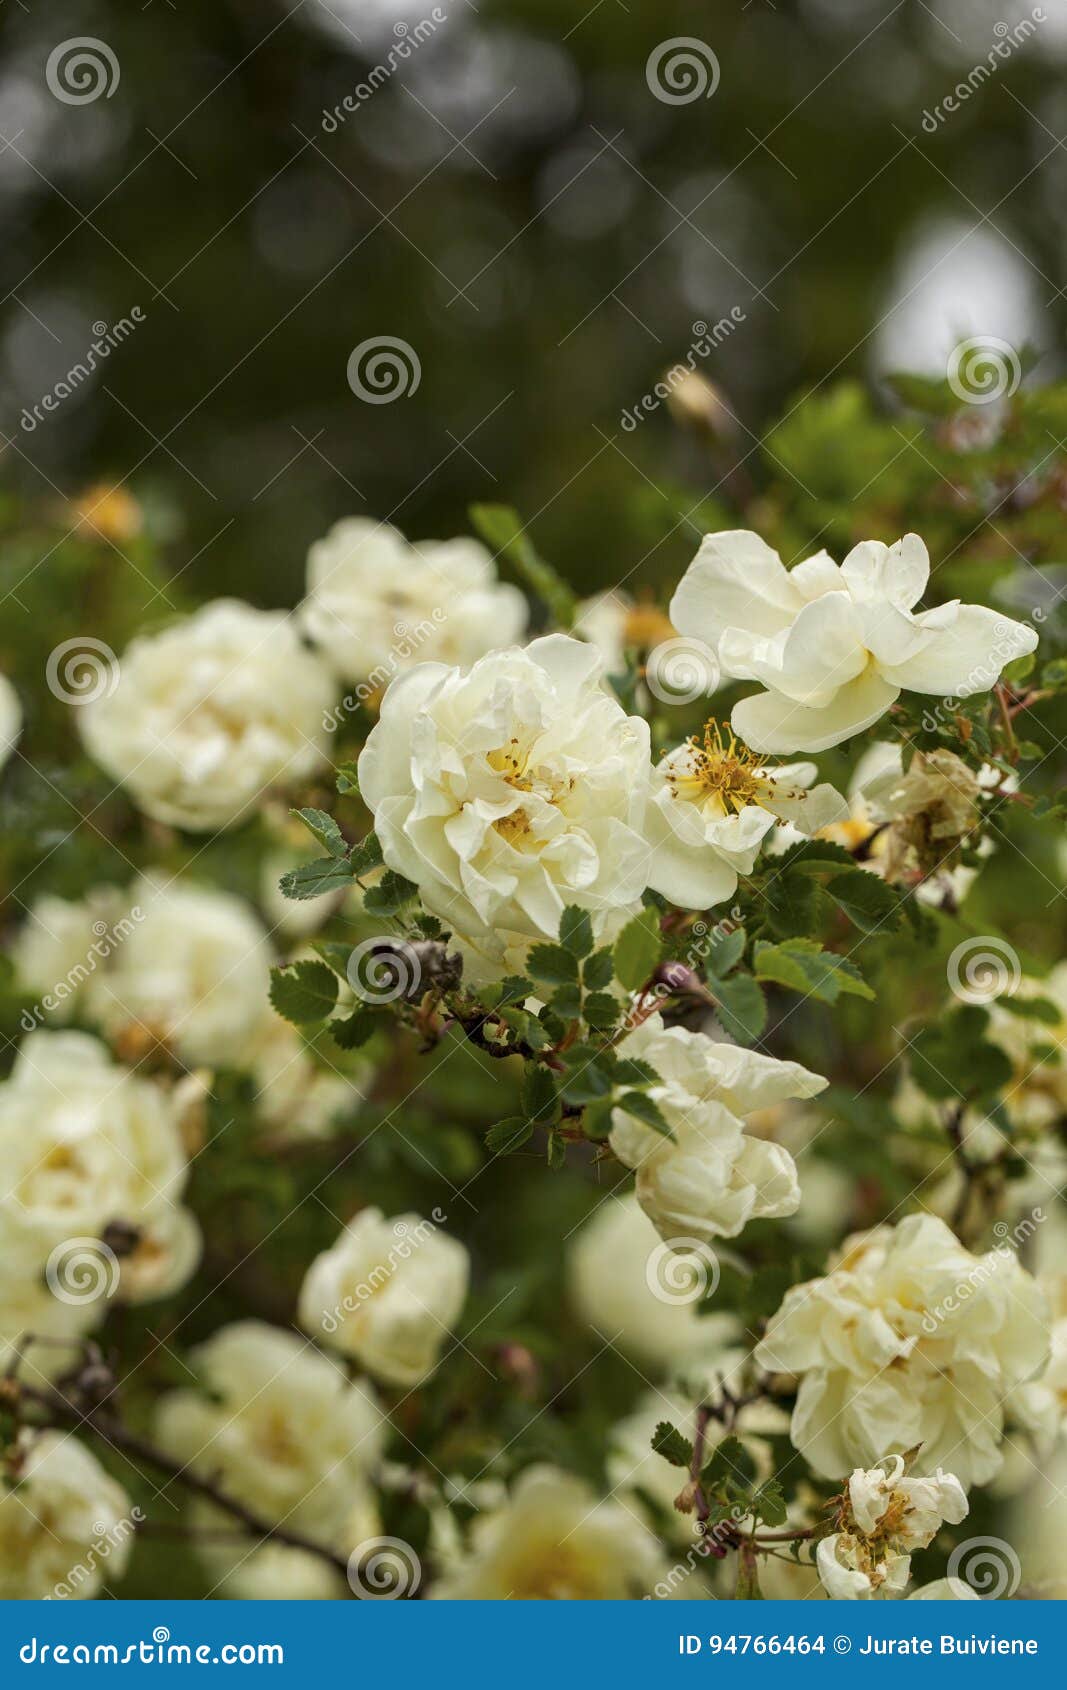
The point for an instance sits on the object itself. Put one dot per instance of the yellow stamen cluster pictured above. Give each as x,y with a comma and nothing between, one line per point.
719,767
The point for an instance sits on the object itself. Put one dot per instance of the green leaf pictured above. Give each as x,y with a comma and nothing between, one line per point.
729,1463
1031,1009
501,527
813,855
347,780
567,1002
596,1122
576,931
553,965
598,970
631,1071
639,1104
508,1135
556,1151
351,1031
769,1504
638,950
390,894
303,991
741,1005
601,1010
669,1442
726,950
515,988
803,966
866,900
311,880
366,855
325,830
538,1093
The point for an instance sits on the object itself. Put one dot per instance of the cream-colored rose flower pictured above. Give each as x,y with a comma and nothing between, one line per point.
211,714
944,1590
909,1340
511,790
27,1305
376,604
10,719
833,645
554,1540
711,1178
295,1096
713,805
66,1527
93,1152
282,1430
388,1294
608,1279
177,962
885,1518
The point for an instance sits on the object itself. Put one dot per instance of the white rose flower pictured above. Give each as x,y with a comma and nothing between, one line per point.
387,1293
66,1527
27,1305
510,791
713,805
295,1096
885,1518
835,645
194,972
282,1431
609,1286
908,1340
553,1540
10,719
375,604
87,1146
212,713
712,1178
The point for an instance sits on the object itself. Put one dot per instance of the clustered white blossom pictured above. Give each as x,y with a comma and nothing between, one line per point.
909,1340
711,1177
835,645
66,1527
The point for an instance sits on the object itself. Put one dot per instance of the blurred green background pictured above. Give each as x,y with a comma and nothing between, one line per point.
516,204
